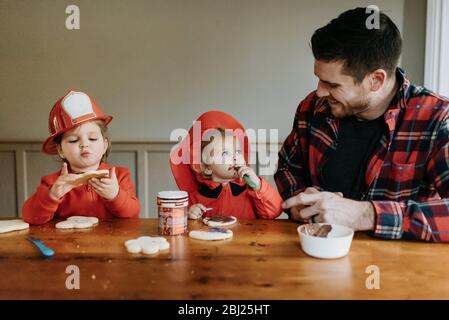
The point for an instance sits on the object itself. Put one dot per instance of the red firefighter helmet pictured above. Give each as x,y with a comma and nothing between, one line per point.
71,110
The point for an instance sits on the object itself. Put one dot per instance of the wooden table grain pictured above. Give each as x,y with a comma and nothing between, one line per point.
262,261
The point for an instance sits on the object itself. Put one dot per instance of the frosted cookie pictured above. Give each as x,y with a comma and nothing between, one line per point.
219,220
85,177
77,222
211,234
147,245
12,225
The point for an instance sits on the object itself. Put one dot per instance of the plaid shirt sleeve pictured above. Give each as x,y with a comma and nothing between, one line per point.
429,220
290,175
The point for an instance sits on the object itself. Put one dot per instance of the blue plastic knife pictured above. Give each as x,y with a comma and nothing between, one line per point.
46,251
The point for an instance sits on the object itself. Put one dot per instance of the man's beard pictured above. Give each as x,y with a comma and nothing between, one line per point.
339,110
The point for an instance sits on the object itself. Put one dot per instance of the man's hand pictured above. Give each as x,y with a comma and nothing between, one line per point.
107,188
295,211
331,207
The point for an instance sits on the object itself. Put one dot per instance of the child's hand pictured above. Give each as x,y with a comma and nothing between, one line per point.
244,170
106,188
63,184
196,211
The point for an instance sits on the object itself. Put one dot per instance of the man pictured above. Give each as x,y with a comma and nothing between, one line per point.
368,149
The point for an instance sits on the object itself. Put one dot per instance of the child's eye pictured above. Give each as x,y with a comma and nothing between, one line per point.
93,139
73,141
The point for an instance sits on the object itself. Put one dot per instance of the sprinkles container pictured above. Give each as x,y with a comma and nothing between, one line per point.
172,212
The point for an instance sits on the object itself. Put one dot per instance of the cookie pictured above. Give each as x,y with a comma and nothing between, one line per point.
212,234
147,245
85,177
12,225
219,220
77,222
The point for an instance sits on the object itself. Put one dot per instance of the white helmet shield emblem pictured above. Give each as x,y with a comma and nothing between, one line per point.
78,106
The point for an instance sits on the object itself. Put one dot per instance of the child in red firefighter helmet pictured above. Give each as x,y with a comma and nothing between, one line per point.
211,164
78,134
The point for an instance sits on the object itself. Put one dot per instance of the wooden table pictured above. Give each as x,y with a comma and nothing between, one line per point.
263,261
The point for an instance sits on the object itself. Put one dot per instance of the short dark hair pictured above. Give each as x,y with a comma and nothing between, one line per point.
362,50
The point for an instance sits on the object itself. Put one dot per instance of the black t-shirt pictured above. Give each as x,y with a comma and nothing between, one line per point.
344,170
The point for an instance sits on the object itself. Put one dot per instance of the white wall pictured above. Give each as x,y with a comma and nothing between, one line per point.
157,65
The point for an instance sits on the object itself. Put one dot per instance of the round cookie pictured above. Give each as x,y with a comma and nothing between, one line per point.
219,220
77,222
12,225
147,245
212,234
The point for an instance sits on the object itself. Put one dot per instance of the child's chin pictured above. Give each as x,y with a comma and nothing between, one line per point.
230,178
88,163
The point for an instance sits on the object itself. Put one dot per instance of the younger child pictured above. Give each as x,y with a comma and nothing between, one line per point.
78,133
215,173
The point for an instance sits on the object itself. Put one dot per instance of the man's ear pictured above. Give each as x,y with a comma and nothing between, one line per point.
377,79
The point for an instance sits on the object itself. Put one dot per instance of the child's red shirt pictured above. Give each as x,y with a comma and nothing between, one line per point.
40,208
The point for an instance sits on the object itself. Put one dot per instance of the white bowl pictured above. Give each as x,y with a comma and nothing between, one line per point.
335,245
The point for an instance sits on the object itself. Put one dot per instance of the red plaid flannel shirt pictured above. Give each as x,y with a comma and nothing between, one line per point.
407,178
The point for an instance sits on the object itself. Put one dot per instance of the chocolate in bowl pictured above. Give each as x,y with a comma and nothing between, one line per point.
324,240
317,230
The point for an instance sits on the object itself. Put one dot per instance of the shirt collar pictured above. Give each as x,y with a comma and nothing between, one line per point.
209,192
399,101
